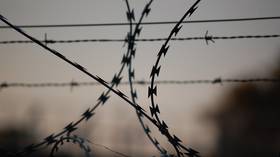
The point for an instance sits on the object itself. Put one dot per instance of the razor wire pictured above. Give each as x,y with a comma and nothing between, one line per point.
180,149
57,143
131,77
72,126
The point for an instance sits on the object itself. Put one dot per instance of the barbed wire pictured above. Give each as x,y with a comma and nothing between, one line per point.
152,90
72,126
146,23
84,144
180,149
207,38
74,84
74,139
131,77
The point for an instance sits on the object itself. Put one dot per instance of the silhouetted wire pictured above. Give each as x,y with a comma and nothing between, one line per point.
145,23
146,39
72,126
81,142
131,77
177,144
140,82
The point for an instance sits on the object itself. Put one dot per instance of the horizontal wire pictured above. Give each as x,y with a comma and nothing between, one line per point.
141,82
144,23
207,38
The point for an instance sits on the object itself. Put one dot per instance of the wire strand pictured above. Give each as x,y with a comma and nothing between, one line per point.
207,38
140,82
145,23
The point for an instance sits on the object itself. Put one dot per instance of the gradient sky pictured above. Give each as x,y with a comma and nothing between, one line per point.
181,105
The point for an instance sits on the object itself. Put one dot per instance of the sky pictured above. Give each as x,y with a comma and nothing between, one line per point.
182,106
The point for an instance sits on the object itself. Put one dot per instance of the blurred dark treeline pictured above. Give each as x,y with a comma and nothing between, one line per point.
13,139
248,120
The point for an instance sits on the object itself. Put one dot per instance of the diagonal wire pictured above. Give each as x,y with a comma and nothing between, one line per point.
72,126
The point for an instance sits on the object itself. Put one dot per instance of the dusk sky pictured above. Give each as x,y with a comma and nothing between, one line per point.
182,106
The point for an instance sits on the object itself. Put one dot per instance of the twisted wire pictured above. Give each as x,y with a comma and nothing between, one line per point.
206,38
73,84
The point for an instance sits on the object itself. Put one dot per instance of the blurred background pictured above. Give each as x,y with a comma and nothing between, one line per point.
228,119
